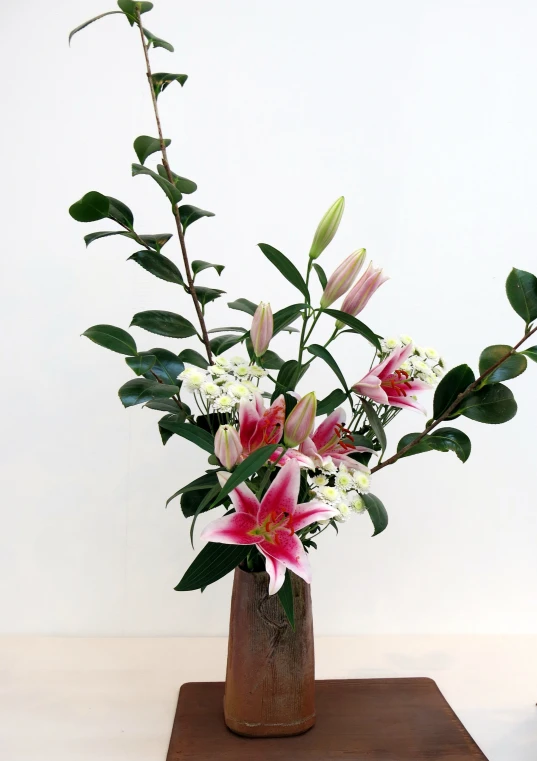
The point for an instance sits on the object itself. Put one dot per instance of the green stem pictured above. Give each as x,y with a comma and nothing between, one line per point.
305,318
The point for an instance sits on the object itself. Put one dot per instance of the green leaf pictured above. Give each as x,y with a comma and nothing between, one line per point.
284,317
374,422
190,214
90,208
142,363
120,213
234,328
193,433
377,512
205,504
330,402
112,338
145,146
220,344
319,351
510,368
442,440
521,290
203,483
140,390
179,416
289,375
87,23
531,353
161,80
211,564
156,241
286,598
246,469
157,43
243,305
153,241
163,405
167,365
452,384
286,267
492,404
206,295
271,361
356,325
129,9
164,323
194,501
193,358
182,184
323,280
198,266
174,195
158,265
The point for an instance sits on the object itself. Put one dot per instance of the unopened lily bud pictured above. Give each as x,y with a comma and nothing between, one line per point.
359,295
343,277
301,421
227,446
262,328
327,228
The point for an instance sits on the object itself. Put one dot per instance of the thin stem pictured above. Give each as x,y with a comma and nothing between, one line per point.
452,407
175,209
305,318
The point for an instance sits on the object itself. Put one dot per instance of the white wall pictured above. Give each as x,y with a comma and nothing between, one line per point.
423,114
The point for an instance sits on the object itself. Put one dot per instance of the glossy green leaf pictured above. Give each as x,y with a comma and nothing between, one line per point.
510,368
247,468
374,422
161,80
156,42
140,390
286,598
164,323
203,483
155,242
319,351
115,339
142,363
120,213
167,366
206,503
220,344
193,433
492,404
441,440
286,267
234,328
243,305
357,326
163,405
271,361
175,417
289,375
452,384
173,194
206,295
531,353
199,266
211,564
323,280
334,399
158,265
90,208
129,9
87,23
182,184
521,288
144,146
193,358
377,512
283,318
190,214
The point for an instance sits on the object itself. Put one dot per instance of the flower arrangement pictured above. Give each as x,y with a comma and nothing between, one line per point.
284,467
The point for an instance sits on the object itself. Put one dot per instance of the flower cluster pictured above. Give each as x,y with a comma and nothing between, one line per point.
225,383
424,364
340,487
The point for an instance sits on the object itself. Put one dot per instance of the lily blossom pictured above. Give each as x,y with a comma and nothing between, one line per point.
227,446
262,328
359,295
259,426
272,524
387,384
332,439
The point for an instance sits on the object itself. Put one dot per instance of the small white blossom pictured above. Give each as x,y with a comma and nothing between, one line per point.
238,390
328,465
437,370
224,403
406,367
389,344
362,481
357,504
222,362
405,339
344,480
210,389
238,360
431,353
224,380
319,480
330,493
344,512
217,370
193,378
256,371
242,371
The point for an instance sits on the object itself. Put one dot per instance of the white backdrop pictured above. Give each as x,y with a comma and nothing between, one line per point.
423,114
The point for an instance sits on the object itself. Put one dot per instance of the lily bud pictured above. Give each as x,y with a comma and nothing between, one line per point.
227,446
342,278
262,329
327,228
359,295
301,421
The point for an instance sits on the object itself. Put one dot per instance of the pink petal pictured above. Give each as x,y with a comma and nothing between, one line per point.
309,512
293,454
370,386
232,529
242,497
339,458
289,551
406,401
248,420
394,361
328,429
269,428
282,494
276,572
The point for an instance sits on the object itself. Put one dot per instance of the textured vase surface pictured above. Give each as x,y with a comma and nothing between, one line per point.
270,680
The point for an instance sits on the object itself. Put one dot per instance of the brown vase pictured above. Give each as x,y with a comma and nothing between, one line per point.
270,680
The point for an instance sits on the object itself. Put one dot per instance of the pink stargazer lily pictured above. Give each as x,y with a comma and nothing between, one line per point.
272,524
331,439
259,426
388,384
